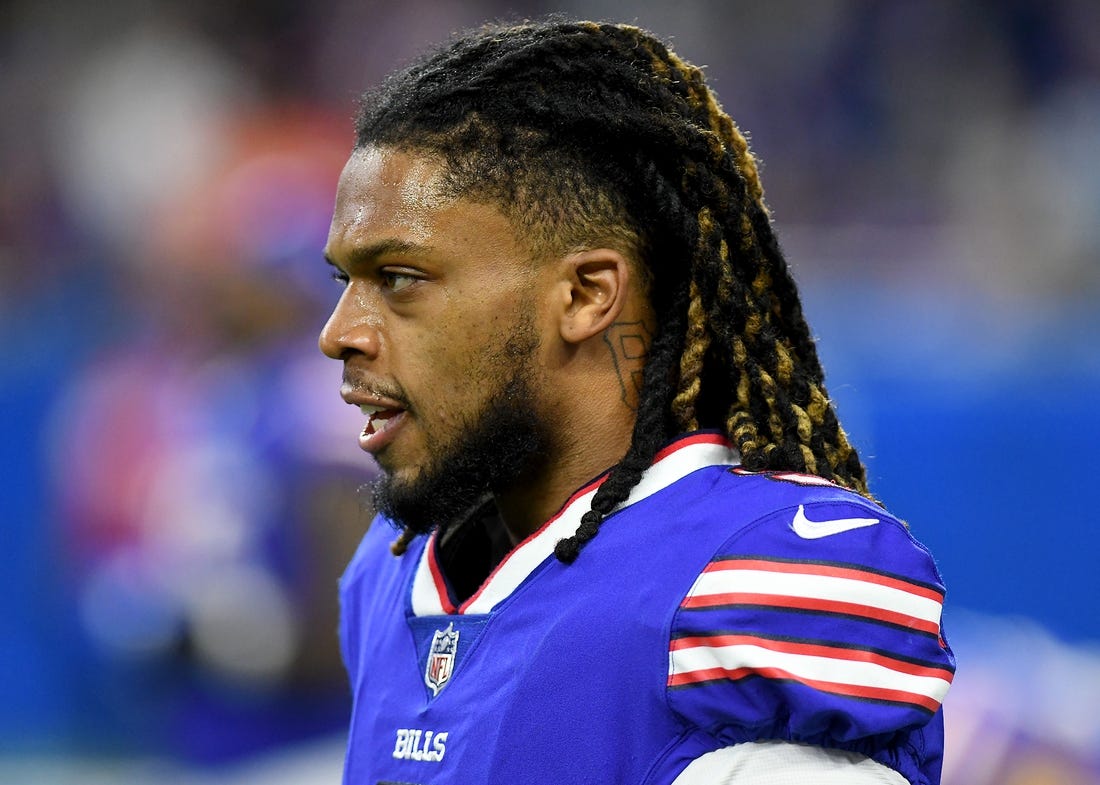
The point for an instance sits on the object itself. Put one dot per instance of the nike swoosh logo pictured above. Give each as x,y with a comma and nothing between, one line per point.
814,530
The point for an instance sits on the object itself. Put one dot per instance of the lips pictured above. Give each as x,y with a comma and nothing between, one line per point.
377,417
384,419
381,402
381,430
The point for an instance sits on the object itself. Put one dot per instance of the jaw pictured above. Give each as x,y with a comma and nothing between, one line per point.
400,471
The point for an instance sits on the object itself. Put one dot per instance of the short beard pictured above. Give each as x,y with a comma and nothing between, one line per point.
495,448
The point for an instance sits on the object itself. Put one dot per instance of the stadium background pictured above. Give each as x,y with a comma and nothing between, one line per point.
179,475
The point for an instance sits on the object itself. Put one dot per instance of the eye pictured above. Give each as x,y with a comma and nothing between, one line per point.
395,281
340,277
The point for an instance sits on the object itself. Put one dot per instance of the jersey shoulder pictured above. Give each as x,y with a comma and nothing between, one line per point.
817,620
800,516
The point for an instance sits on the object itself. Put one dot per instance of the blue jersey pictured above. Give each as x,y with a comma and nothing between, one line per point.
716,607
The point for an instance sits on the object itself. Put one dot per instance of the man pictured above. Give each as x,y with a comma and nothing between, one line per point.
650,554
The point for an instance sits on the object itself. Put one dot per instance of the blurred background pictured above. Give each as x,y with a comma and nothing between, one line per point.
179,476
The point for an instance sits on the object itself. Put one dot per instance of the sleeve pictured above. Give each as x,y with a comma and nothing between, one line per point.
819,624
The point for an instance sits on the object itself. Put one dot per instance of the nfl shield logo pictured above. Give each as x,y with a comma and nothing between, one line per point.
441,658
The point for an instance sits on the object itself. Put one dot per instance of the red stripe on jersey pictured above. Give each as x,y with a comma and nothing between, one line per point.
829,570
699,438
812,604
816,650
851,690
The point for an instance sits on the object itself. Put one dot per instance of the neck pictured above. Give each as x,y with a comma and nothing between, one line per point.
589,393
586,444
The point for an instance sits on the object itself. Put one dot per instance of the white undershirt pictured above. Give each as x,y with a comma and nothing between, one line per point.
785,763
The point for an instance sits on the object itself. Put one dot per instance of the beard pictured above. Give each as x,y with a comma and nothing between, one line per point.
492,449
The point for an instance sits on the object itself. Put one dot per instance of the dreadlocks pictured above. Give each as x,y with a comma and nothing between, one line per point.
597,134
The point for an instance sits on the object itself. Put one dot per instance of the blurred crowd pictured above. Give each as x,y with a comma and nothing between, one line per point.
181,483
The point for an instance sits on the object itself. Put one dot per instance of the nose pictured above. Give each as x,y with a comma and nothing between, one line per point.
352,328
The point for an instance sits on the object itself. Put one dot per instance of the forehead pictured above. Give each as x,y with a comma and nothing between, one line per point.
381,186
391,198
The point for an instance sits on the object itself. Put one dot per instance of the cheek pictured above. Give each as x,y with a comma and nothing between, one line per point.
462,341
449,370
462,356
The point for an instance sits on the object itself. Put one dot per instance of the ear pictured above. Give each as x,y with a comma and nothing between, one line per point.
595,287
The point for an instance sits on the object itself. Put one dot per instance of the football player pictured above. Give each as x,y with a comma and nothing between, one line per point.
636,545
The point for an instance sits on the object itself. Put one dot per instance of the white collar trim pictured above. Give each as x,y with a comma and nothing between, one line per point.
674,462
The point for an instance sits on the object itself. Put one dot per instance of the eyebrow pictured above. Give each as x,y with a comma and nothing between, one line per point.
368,253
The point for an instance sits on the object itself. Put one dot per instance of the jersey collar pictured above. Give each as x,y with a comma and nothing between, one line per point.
679,459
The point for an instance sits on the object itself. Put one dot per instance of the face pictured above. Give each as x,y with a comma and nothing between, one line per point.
438,328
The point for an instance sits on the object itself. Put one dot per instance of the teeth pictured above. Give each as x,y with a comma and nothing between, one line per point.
369,410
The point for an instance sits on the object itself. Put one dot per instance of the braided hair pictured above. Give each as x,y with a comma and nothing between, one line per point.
591,135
